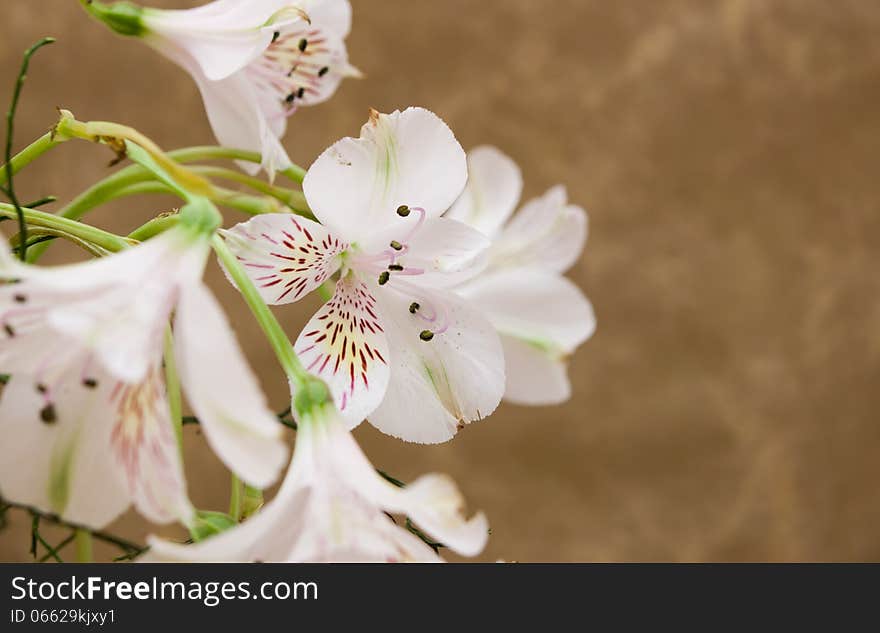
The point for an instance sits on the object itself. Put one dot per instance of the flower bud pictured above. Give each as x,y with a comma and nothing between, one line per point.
122,17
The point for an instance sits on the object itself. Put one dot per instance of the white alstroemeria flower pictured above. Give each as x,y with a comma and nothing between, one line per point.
255,61
85,420
541,316
332,508
394,343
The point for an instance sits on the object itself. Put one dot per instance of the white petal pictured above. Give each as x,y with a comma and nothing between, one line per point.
445,252
345,345
64,467
546,233
539,307
437,385
332,15
534,377
236,114
9,264
223,391
433,502
116,306
28,345
404,158
286,256
493,189
267,537
221,37
122,325
146,450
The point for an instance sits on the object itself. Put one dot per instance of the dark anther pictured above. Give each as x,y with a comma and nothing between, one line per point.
20,298
403,210
384,277
426,335
41,388
323,71
302,45
396,245
414,307
91,383
395,267
275,36
289,98
8,329
47,414
301,92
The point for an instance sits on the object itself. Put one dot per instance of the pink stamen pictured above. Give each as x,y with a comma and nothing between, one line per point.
422,216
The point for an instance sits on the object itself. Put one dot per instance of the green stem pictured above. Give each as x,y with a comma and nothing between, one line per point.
10,131
326,290
235,498
122,183
99,193
211,152
84,552
293,199
105,537
154,227
29,154
81,231
252,205
40,202
55,551
277,338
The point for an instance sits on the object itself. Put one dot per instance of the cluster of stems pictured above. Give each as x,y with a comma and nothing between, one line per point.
185,175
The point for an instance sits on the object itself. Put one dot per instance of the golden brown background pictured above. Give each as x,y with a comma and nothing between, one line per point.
727,152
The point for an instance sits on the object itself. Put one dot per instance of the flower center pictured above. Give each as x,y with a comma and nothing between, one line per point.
293,67
387,265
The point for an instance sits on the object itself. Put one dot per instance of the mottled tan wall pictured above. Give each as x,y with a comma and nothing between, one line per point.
727,408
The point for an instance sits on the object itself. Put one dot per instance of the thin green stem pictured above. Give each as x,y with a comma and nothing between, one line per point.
10,130
104,191
40,202
137,188
252,205
99,193
56,551
38,514
235,497
290,197
84,551
277,338
28,155
154,227
211,152
96,236
135,179
51,552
